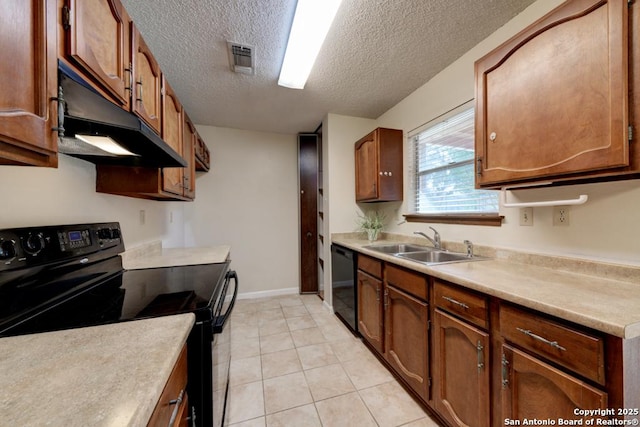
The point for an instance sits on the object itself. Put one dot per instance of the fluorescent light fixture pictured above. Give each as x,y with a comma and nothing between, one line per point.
311,24
106,144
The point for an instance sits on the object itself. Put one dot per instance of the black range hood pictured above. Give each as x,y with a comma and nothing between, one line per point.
87,112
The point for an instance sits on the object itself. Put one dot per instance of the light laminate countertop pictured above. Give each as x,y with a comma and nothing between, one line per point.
604,304
153,255
110,375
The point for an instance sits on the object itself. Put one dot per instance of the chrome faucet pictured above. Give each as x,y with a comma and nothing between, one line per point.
469,248
436,238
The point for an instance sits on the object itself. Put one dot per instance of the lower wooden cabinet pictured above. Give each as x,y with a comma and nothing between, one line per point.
461,371
173,406
406,325
486,361
370,310
534,389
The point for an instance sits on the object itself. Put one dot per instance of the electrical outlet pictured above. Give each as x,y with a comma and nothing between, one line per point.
561,216
526,216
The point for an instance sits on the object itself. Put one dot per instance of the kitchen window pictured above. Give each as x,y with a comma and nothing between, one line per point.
442,161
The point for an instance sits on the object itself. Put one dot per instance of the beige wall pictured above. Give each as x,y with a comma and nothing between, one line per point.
66,195
249,200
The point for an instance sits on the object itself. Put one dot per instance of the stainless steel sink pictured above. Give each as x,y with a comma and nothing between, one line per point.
438,257
397,248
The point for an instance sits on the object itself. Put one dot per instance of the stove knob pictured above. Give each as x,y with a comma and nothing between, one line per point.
7,249
34,243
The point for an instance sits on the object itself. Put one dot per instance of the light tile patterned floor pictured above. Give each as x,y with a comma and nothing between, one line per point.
294,364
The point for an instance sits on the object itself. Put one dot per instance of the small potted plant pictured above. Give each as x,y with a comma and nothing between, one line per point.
372,223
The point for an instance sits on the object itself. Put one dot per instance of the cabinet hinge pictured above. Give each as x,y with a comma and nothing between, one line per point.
479,166
66,17
429,382
428,325
630,133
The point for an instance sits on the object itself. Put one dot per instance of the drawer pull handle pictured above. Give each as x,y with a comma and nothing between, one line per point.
458,303
553,344
176,402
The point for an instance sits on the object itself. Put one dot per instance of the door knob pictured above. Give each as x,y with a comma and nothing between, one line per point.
309,234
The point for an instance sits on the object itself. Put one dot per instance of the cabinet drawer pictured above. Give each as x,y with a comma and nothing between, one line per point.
370,265
466,304
414,283
570,347
175,388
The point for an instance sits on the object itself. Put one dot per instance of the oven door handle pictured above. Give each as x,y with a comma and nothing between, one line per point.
220,321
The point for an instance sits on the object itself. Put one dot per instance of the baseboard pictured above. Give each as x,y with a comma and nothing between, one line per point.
266,294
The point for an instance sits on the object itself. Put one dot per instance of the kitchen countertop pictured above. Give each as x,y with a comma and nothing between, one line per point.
153,255
602,303
109,375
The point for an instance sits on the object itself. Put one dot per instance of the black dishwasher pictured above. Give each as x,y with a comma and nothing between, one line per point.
343,285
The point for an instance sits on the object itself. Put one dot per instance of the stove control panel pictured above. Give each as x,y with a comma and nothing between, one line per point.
31,246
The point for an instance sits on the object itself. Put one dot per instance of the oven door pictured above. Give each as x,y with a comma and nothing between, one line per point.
221,351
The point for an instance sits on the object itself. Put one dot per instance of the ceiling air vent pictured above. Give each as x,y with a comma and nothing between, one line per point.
241,58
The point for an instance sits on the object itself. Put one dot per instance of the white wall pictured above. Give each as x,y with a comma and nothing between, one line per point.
44,196
605,228
249,200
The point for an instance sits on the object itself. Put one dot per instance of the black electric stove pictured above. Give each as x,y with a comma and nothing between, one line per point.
70,276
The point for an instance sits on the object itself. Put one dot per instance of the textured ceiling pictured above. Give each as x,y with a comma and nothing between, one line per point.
377,52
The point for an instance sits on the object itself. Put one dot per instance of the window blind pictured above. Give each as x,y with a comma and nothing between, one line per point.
443,169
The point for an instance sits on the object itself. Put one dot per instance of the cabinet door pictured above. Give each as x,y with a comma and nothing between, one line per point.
366,155
532,389
189,140
97,40
28,81
553,100
406,327
146,102
461,372
172,134
370,310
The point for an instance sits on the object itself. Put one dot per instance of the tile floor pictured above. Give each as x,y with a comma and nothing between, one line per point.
293,363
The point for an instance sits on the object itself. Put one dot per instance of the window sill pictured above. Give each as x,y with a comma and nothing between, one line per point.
492,220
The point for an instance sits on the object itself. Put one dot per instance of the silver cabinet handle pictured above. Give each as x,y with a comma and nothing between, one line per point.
479,347
553,344
176,402
458,303
505,371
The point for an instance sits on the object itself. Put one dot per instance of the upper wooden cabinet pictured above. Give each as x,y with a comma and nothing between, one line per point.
172,122
97,42
147,82
189,140
158,183
553,101
378,158
28,82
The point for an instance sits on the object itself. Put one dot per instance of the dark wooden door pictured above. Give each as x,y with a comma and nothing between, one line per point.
146,100
370,310
461,372
366,168
97,40
406,326
172,122
531,387
553,100
308,182
28,81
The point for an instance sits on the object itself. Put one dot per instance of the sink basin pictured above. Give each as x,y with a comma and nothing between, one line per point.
396,248
438,257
